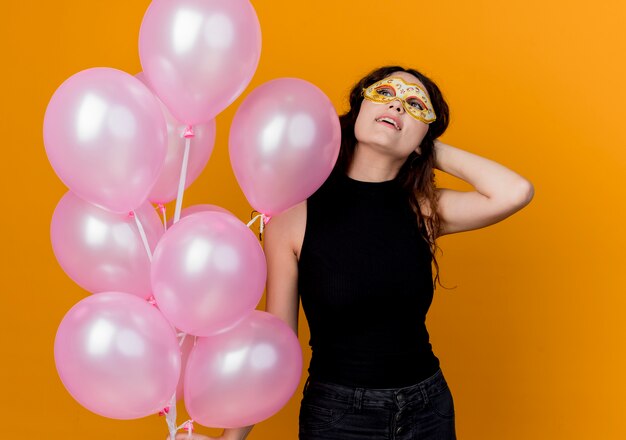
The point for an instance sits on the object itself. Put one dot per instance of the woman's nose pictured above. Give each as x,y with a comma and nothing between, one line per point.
397,104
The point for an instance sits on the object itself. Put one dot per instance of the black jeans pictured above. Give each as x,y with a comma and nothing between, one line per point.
422,411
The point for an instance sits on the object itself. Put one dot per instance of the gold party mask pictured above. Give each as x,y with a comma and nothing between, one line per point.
412,96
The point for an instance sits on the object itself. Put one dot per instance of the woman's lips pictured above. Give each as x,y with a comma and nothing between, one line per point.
388,125
396,122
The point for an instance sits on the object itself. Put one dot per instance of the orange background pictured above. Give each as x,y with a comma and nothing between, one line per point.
531,340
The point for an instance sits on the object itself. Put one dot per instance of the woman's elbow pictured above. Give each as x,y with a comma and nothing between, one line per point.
524,193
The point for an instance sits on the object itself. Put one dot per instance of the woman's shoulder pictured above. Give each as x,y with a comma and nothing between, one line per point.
289,226
291,223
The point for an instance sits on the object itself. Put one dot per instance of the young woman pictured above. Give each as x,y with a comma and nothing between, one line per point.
358,252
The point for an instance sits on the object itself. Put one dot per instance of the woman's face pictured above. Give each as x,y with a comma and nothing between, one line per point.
397,142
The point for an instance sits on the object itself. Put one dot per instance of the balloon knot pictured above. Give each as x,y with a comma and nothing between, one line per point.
164,411
188,133
152,300
264,219
188,426
131,214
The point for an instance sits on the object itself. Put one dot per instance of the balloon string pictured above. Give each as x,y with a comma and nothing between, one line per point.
264,219
170,410
170,417
144,239
187,134
161,208
188,426
182,337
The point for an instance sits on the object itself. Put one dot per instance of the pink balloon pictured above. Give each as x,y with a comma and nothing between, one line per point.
244,375
199,55
284,141
206,207
199,208
105,137
208,272
166,188
117,356
185,350
101,250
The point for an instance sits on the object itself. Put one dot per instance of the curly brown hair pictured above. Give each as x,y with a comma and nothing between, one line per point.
417,173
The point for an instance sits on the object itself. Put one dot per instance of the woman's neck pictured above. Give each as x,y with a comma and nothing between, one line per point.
370,166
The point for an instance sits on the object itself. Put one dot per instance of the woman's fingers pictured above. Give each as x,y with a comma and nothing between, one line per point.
186,436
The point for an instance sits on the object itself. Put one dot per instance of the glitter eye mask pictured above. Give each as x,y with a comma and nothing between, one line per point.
412,96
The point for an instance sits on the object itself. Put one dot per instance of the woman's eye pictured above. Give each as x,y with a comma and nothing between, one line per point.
384,92
417,104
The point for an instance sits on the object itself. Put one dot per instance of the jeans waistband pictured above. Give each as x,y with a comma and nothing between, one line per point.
399,397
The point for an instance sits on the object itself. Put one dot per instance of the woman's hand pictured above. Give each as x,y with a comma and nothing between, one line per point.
186,436
227,434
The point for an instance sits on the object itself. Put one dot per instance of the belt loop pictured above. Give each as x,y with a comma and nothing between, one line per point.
358,397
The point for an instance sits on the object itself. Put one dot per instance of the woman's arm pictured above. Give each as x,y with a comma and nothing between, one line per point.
500,192
235,433
280,237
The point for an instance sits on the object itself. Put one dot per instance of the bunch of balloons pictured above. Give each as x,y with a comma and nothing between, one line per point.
172,310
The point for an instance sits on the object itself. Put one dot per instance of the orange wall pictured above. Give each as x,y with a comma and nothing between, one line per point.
531,340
